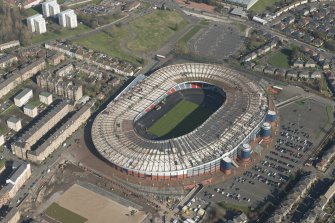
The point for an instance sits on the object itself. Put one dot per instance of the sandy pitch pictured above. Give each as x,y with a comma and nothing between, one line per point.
97,208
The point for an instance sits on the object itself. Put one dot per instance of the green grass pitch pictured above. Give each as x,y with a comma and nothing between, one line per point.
63,215
181,119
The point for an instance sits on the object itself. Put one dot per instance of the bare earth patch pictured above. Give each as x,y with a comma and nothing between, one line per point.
97,208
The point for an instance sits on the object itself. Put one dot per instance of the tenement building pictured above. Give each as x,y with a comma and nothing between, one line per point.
45,121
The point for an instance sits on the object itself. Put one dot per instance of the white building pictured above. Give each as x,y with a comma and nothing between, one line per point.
2,140
10,44
37,24
68,19
45,97
243,3
14,123
30,110
24,96
50,8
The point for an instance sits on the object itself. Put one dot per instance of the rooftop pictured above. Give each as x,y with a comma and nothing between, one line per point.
23,93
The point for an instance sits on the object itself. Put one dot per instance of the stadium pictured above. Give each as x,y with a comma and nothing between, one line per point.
180,122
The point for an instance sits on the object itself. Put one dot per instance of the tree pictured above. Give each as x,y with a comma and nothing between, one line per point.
11,26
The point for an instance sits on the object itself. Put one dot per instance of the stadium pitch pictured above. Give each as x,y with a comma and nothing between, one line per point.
181,119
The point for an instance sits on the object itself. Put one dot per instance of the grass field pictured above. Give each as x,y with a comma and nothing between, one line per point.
182,43
2,163
34,103
62,33
181,119
143,35
154,29
330,113
281,59
108,42
261,5
228,206
55,211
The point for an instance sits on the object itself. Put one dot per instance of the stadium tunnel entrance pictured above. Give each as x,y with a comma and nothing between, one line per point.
180,111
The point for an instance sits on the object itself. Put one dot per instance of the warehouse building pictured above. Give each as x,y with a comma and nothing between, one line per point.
14,124
24,96
30,110
45,97
36,23
68,19
50,8
247,4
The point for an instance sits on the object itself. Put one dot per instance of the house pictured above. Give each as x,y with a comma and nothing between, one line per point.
310,64
288,31
264,49
325,65
280,72
319,58
289,20
304,74
305,12
292,74
270,70
249,64
308,38
298,34
298,64
317,42
312,53
258,68
280,26
316,75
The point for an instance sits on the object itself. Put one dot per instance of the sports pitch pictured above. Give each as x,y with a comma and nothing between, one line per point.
181,119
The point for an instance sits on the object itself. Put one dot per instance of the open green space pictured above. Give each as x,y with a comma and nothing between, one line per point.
281,59
330,45
2,163
34,102
261,5
255,41
10,110
63,215
142,35
56,32
330,113
181,119
108,42
229,206
31,11
3,129
153,30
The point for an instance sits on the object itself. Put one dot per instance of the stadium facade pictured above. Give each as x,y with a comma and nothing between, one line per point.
238,121
247,4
